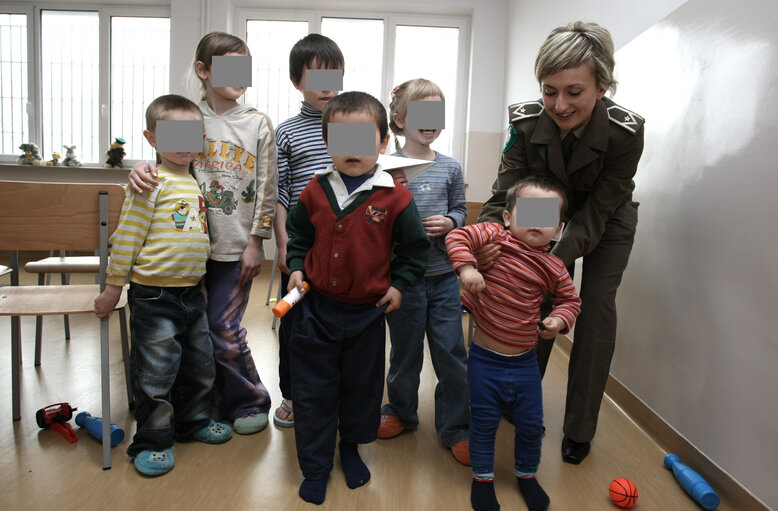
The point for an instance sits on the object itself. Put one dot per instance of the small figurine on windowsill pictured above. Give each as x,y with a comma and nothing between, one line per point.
70,157
115,153
54,161
31,155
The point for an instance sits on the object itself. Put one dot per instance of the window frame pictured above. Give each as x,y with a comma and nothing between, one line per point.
34,58
391,21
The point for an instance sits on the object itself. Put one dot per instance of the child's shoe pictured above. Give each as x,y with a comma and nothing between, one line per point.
248,424
390,427
154,463
213,433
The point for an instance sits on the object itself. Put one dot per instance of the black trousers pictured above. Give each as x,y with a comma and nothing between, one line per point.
337,351
595,329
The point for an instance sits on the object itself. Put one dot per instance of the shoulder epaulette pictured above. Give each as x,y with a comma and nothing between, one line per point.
627,119
521,111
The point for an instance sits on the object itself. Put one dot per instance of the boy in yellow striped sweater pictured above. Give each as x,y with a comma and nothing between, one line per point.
162,244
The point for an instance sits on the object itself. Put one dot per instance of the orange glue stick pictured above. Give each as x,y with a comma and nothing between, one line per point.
291,298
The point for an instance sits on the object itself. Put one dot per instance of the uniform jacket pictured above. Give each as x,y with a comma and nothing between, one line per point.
598,175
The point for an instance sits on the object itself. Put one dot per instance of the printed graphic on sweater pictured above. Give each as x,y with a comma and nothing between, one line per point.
375,216
187,218
227,165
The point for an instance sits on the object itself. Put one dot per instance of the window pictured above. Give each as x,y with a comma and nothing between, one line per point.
140,51
272,91
70,65
91,81
14,128
381,51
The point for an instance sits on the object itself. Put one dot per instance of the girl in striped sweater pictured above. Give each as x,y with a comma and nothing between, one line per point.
505,303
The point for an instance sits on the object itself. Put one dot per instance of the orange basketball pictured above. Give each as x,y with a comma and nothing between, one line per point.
623,492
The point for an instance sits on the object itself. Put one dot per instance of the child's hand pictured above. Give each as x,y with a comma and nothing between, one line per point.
281,263
106,301
393,297
487,255
472,280
250,260
296,281
143,177
399,176
553,325
437,225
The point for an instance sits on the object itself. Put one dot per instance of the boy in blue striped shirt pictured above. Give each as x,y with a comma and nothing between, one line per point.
301,152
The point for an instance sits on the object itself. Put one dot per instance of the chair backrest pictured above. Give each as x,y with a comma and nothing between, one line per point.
55,216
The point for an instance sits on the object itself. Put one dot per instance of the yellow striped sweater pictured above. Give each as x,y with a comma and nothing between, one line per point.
162,236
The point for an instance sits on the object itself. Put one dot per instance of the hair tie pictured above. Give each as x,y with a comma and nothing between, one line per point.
394,91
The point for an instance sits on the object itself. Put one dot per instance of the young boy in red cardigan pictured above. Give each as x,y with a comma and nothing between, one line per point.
342,231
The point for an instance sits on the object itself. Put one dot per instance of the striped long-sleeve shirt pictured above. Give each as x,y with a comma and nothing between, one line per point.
508,310
440,190
301,152
162,236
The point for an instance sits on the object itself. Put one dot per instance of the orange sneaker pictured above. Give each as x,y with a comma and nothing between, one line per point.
461,452
390,427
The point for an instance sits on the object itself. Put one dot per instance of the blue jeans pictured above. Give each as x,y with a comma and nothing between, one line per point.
430,306
499,382
238,391
172,364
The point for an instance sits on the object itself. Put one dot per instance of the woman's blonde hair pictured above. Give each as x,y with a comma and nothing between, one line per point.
412,90
575,44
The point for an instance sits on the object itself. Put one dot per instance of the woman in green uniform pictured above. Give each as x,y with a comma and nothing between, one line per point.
592,145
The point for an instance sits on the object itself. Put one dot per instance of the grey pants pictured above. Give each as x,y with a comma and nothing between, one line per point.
595,328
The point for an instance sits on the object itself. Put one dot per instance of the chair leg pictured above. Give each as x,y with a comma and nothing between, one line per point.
65,279
280,295
106,393
39,326
126,357
272,278
16,362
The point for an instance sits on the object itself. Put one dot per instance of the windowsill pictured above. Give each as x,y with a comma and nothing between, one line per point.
12,171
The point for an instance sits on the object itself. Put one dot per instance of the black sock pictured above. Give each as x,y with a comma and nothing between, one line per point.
313,490
482,496
534,496
357,473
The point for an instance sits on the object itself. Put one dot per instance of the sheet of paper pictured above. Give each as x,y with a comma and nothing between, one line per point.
413,168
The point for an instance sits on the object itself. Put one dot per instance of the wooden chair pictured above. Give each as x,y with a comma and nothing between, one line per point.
54,216
64,265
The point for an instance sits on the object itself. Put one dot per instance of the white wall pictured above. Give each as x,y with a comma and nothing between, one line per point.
699,295
531,21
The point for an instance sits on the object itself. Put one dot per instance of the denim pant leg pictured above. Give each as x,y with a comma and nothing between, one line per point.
406,329
238,390
526,408
449,358
192,391
155,357
486,403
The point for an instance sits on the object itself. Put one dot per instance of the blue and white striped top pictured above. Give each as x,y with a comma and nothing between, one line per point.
301,152
440,191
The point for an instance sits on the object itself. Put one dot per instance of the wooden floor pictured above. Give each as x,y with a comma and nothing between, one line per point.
40,470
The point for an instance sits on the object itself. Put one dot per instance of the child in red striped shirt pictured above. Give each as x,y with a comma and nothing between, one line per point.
505,304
